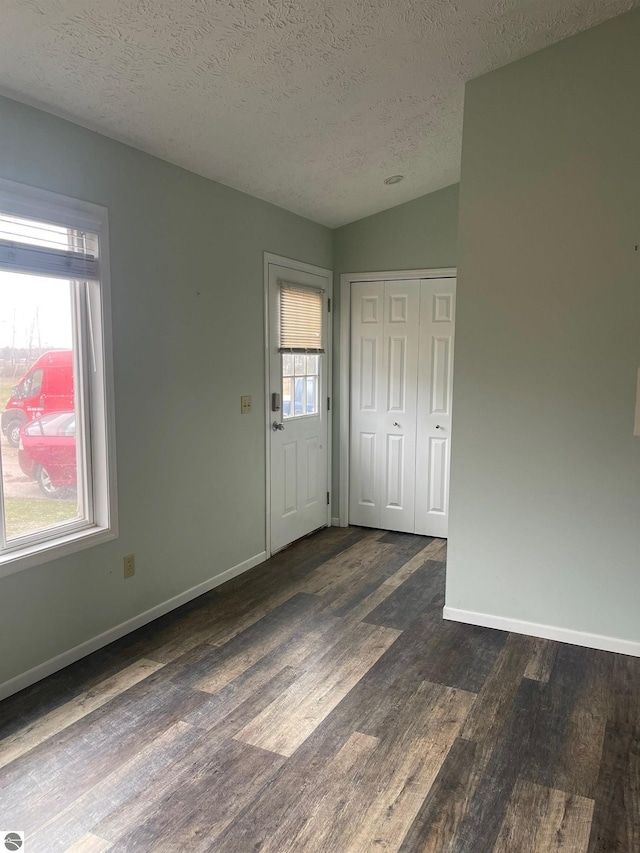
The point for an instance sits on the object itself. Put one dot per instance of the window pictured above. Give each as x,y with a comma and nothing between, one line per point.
56,445
299,385
301,344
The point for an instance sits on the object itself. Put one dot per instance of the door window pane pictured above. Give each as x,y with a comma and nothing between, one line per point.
287,395
300,392
287,364
312,395
298,398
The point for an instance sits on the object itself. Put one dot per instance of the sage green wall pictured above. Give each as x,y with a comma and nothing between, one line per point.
545,488
420,234
191,469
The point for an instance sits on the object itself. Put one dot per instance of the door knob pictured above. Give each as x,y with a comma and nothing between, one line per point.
395,423
276,425
438,426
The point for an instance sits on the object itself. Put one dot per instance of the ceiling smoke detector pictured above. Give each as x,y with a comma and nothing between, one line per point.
394,179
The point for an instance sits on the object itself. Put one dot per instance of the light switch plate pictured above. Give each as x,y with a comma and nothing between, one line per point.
129,565
245,405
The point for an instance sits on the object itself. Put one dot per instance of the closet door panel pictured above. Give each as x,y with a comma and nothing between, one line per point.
367,387
435,387
397,426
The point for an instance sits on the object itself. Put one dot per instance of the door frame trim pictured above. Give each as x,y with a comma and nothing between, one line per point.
298,266
346,280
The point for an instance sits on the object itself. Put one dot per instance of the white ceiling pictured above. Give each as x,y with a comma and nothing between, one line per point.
309,104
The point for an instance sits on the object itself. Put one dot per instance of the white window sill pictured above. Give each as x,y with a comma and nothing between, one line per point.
44,552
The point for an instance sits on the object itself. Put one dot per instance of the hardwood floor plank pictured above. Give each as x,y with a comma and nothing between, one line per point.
497,695
301,558
242,601
342,569
89,844
578,763
543,655
624,688
148,803
560,700
483,818
289,720
235,705
541,819
415,597
616,818
240,614
435,827
53,775
228,712
116,788
528,747
355,588
402,540
209,788
357,612
429,713
311,817
226,663
449,653
66,715
401,772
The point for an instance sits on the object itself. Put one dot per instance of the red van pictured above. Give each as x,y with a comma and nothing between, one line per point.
46,387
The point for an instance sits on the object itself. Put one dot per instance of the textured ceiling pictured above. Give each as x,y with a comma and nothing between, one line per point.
309,104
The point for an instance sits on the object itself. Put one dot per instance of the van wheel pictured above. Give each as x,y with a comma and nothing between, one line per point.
46,486
13,431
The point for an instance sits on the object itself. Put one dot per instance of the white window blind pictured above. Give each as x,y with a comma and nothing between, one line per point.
301,318
39,248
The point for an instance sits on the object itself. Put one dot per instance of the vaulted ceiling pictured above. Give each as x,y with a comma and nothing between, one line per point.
308,104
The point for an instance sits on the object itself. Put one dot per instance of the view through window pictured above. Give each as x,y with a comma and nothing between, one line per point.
43,327
299,384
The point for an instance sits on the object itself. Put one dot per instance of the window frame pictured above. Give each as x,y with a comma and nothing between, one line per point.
98,392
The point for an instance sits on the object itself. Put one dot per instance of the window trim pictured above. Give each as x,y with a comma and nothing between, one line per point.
34,203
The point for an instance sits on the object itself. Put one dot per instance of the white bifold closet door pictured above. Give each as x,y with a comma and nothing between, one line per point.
401,385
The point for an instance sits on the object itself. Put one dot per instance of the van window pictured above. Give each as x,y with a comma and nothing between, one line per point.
56,447
32,385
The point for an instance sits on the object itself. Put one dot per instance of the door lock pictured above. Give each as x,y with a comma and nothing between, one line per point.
276,425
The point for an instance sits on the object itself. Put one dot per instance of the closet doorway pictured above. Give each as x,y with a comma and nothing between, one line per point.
397,336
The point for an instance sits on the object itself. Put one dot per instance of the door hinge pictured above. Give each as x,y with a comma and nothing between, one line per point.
328,404
329,306
327,498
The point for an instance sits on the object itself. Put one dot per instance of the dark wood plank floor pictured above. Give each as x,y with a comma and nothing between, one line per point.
320,703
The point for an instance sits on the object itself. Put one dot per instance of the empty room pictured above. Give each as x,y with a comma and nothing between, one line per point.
320,426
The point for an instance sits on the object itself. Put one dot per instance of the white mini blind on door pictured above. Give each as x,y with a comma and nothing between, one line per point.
301,319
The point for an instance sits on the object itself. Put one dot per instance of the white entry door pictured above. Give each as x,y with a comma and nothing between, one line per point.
401,385
297,402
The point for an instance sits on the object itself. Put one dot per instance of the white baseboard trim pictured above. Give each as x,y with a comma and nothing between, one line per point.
548,632
335,522
26,679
